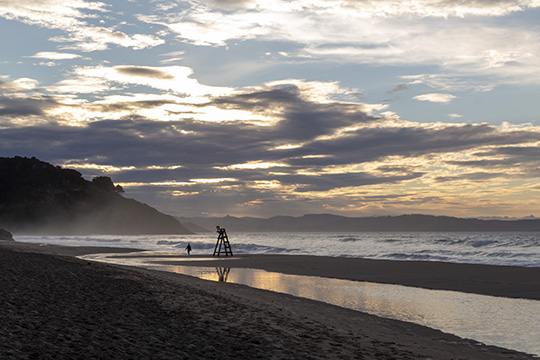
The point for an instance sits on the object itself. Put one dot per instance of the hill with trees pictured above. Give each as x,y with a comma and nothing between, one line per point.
39,198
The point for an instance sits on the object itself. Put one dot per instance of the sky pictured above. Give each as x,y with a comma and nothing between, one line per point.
269,107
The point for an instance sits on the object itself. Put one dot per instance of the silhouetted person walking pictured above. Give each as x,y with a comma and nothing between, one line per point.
188,248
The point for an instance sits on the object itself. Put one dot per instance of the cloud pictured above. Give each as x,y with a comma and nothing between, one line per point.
267,144
294,141
174,56
96,79
90,38
377,159
450,82
54,56
440,8
233,4
183,97
48,63
325,182
144,71
482,176
70,17
398,88
342,154
21,107
298,124
333,138
527,156
17,111
18,85
435,97
465,42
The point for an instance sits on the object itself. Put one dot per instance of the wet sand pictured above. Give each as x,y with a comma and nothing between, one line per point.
57,306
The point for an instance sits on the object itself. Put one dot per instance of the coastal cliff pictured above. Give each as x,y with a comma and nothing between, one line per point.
39,198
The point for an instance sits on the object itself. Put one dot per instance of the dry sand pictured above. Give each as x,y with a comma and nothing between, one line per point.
55,306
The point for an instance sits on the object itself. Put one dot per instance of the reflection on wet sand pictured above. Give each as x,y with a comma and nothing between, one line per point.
471,316
223,273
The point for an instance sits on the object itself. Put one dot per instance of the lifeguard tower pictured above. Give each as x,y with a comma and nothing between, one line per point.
222,242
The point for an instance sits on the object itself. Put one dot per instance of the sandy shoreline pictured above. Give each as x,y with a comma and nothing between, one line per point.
506,281
57,306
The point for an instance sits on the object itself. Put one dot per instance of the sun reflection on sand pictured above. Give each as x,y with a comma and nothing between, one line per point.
471,316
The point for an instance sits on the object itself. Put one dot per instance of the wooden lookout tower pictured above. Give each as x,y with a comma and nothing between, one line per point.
222,243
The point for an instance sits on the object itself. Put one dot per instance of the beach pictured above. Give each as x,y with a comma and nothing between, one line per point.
58,306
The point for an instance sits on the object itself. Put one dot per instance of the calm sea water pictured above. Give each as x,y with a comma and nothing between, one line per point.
504,248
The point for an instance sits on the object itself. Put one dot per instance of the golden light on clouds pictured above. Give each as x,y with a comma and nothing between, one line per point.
287,147
184,193
104,168
213,113
111,168
267,184
133,184
253,203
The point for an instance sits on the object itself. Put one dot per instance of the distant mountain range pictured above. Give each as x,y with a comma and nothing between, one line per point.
39,198
336,223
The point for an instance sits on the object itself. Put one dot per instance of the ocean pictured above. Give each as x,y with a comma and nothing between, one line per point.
495,248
